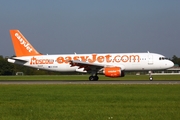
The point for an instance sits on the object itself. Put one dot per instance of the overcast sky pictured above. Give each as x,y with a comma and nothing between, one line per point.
93,26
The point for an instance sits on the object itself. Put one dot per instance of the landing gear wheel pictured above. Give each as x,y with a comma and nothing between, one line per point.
150,78
96,78
93,78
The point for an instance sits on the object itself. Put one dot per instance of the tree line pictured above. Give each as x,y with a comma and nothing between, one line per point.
7,68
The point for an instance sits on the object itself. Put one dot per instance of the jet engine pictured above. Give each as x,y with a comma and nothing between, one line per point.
113,72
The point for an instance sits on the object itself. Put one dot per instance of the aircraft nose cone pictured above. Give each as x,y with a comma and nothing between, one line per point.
171,64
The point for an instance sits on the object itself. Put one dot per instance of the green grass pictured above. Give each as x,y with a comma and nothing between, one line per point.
85,77
89,102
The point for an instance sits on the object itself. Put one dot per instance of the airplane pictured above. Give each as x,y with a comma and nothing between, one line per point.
110,64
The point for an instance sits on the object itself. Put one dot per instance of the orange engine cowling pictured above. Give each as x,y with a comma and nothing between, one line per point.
113,72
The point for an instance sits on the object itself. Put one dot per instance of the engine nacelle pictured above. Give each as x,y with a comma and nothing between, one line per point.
113,72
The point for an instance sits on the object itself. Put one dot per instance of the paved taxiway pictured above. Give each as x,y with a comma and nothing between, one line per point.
87,82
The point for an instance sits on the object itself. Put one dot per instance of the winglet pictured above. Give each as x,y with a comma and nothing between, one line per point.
21,45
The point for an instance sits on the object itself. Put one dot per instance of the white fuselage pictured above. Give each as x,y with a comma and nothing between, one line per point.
126,61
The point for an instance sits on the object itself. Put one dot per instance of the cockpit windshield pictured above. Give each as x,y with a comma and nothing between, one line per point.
163,58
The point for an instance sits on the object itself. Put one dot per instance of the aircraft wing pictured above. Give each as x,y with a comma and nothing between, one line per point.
86,65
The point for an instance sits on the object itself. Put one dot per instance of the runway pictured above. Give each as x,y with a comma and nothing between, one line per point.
88,82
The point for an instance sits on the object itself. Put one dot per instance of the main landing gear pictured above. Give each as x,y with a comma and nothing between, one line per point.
150,76
93,78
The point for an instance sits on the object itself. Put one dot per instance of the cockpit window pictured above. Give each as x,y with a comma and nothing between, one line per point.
163,58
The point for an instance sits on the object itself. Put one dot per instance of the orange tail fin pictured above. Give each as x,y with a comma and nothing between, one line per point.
21,45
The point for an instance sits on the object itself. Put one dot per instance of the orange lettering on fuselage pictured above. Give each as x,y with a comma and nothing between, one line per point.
93,58
100,58
135,57
84,58
125,58
107,57
41,61
60,60
67,59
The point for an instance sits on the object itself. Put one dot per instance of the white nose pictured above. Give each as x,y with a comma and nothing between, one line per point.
170,64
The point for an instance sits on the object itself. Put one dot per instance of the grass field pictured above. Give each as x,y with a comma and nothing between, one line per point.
89,102
86,77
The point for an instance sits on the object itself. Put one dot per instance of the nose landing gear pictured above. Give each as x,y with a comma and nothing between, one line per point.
150,76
